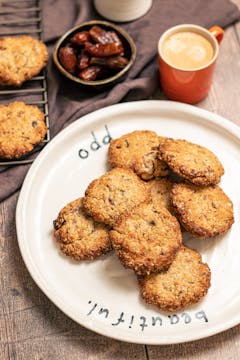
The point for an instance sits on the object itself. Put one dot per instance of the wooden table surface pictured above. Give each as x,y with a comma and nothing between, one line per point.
31,327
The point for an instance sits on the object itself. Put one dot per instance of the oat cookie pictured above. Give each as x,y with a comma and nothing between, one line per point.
146,238
138,151
203,211
21,128
160,190
186,282
21,58
193,162
78,235
107,197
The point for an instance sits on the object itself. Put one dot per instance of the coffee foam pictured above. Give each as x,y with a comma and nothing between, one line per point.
187,50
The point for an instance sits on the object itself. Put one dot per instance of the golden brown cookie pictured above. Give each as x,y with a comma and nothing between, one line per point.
146,238
107,197
138,151
21,58
78,235
21,128
193,162
160,190
203,211
185,282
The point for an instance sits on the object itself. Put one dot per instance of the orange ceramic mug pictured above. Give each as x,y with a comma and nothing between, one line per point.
182,77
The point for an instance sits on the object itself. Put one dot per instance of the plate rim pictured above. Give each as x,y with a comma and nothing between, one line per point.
86,120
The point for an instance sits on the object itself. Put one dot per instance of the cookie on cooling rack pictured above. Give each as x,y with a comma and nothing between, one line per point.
78,235
118,190
203,211
193,162
146,238
21,58
185,282
138,151
21,128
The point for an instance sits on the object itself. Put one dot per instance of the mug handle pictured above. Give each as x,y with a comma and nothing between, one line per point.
217,32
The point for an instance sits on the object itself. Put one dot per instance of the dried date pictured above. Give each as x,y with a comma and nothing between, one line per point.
90,73
68,58
115,38
99,35
83,60
80,38
112,62
103,50
102,36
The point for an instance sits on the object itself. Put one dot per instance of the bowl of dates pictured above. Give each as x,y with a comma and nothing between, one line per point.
95,53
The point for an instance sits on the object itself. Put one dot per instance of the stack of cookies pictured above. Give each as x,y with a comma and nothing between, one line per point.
22,126
140,211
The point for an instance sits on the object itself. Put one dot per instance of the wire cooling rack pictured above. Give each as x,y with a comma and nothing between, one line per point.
24,17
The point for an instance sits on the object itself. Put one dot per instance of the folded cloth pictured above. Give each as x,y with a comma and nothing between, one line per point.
68,102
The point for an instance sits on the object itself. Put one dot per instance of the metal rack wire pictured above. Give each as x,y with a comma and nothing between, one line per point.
24,17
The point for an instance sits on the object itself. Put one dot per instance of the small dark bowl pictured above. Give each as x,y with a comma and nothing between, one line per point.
128,45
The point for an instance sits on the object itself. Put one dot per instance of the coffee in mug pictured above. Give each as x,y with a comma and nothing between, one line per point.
187,56
187,50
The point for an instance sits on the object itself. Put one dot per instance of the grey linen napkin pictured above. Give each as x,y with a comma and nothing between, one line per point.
68,102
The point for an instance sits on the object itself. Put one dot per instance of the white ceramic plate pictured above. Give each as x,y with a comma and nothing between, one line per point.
102,295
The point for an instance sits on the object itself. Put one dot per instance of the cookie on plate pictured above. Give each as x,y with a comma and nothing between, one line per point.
21,58
203,211
193,162
185,282
160,190
107,197
146,238
21,128
138,151
78,235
